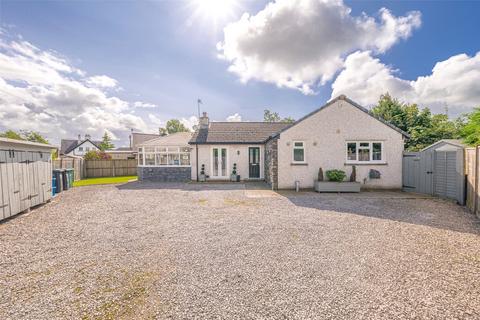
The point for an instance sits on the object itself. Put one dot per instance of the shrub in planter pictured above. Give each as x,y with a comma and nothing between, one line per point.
335,175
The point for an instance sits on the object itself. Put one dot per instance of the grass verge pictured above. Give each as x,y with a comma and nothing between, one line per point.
104,180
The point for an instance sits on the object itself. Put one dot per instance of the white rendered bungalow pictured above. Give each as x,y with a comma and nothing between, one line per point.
339,135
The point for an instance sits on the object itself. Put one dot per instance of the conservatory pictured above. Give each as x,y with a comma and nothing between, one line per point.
165,158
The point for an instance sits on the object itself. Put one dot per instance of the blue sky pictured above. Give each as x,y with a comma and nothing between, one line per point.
160,53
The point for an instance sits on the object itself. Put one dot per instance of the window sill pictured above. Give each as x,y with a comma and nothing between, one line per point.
299,164
366,163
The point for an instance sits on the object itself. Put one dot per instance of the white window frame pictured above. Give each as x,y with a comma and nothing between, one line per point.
157,151
301,148
370,147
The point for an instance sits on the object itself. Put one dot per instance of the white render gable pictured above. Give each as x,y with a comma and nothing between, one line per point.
325,136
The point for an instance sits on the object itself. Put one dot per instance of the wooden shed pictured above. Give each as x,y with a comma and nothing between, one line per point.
25,175
436,170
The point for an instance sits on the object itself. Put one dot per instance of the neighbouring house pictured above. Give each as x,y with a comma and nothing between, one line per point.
78,147
339,135
122,153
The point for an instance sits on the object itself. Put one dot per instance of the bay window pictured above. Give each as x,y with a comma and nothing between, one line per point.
364,152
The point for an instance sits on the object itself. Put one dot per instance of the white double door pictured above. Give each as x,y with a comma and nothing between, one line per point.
219,163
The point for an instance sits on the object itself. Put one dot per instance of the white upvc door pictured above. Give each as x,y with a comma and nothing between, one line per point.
219,163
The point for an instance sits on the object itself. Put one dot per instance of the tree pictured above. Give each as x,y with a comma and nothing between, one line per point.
97,155
269,116
10,134
423,127
106,143
173,126
34,137
470,132
31,136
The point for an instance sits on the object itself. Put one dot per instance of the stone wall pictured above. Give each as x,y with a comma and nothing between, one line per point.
271,163
164,174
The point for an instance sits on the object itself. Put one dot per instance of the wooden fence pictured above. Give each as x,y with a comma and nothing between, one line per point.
472,168
69,163
110,168
97,168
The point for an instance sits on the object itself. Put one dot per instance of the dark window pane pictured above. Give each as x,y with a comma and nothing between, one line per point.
377,151
352,151
363,154
298,155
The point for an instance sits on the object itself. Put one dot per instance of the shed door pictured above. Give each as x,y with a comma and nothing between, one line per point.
445,176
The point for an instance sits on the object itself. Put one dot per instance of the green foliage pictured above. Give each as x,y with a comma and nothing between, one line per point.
470,132
269,116
234,171
34,137
335,175
173,126
10,134
31,136
106,143
423,127
97,155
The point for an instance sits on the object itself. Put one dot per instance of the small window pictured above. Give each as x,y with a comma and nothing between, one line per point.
185,159
80,148
185,149
140,159
298,151
149,159
161,159
173,159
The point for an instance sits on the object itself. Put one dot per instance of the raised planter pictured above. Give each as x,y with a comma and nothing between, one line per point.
330,186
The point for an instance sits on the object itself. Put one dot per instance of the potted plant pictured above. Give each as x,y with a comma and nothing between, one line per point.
233,176
202,177
336,182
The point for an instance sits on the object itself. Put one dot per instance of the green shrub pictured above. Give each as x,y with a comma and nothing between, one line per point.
335,175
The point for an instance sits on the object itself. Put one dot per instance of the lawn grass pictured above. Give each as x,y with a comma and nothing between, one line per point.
105,180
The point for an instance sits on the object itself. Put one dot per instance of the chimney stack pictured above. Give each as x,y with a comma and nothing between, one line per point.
203,121
79,138
87,136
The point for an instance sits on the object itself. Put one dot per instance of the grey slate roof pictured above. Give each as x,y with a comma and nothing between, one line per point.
237,132
68,145
261,132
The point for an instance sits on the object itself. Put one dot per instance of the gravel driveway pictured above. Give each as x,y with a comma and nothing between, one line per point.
181,251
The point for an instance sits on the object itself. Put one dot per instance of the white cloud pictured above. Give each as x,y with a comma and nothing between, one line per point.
156,121
140,104
453,83
234,118
42,91
301,43
102,82
189,122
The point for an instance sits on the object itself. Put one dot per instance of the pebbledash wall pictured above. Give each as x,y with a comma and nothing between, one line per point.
164,174
325,134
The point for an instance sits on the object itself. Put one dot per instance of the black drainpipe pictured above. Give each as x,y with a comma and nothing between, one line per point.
196,156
